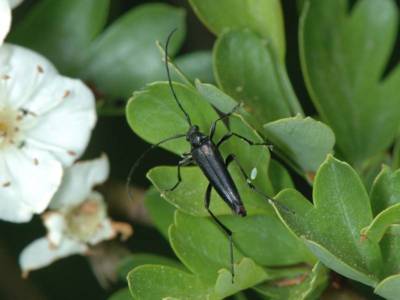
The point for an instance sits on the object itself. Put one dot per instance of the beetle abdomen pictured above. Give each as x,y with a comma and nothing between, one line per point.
210,161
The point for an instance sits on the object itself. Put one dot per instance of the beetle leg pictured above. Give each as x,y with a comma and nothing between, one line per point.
225,229
232,157
184,162
141,157
230,134
227,115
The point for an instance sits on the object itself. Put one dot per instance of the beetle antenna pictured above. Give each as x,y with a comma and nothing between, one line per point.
139,160
170,81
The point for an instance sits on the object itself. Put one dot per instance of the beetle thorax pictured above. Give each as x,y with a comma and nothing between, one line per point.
195,137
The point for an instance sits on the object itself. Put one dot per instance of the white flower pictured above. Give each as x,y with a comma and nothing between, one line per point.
45,123
5,16
77,220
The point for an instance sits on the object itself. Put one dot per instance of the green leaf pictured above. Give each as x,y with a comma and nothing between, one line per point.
138,259
151,282
339,265
372,167
201,246
163,282
384,196
279,176
223,102
175,72
160,211
204,249
331,227
396,154
125,57
154,115
245,69
385,191
275,244
263,17
62,30
381,223
122,294
247,275
188,197
253,158
239,296
300,5
196,65
304,140
343,57
389,288
307,286
390,250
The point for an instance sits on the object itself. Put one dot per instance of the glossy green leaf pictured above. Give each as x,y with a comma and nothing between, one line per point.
275,245
125,57
139,259
307,286
62,30
305,141
263,17
381,223
122,294
154,115
151,282
196,65
385,191
331,227
160,211
344,55
389,288
245,69
279,176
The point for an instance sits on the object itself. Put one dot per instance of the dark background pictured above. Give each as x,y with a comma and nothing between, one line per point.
73,278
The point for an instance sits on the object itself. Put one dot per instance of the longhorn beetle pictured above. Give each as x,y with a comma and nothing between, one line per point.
205,154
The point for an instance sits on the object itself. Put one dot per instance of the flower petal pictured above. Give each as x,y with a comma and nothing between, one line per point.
28,179
79,180
23,73
62,109
5,19
11,210
41,253
55,225
63,128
